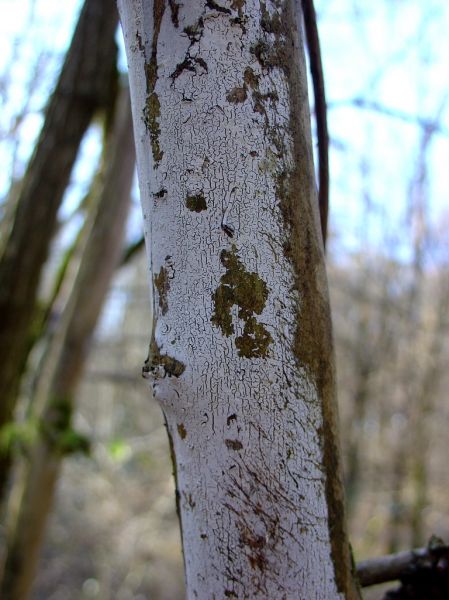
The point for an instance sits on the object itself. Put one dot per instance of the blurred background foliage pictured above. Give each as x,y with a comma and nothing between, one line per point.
112,531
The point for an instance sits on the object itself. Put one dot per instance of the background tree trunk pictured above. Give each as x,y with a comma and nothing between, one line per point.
56,389
84,85
241,357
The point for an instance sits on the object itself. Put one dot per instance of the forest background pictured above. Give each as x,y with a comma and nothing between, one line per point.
113,531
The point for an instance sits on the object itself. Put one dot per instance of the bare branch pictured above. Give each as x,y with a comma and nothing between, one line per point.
394,566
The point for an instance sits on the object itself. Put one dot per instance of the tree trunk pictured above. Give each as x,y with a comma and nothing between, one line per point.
241,357
57,387
84,85
424,410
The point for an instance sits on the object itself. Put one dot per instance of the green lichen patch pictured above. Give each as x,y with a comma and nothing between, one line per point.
196,202
162,284
151,74
270,163
254,341
152,112
237,95
152,109
234,445
249,293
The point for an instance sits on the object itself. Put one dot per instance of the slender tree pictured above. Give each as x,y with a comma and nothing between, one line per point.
60,375
83,86
241,357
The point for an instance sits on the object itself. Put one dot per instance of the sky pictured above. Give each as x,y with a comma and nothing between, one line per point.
391,55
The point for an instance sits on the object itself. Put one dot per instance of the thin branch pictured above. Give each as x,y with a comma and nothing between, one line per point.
394,566
423,122
131,250
316,69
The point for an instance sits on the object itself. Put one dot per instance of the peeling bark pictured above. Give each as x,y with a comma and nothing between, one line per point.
244,306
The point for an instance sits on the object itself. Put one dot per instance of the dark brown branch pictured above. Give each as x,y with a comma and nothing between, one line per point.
316,69
394,566
131,250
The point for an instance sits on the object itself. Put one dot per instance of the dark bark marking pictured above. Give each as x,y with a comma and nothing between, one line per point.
174,8
214,6
231,418
155,361
161,193
182,431
196,202
234,445
189,64
237,95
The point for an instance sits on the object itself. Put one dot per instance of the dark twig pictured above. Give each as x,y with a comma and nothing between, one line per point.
395,566
316,69
130,251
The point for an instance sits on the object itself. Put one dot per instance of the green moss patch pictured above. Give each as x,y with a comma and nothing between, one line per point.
162,285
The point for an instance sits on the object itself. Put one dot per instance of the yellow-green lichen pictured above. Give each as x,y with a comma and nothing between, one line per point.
196,202
162,284
151,74
152,109
152,113
249,293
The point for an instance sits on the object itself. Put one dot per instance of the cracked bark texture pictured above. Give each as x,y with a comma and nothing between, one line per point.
241,358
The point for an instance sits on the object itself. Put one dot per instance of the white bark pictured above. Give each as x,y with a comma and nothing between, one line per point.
214,129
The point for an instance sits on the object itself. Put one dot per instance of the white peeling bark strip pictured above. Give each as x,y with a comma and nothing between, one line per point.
212,121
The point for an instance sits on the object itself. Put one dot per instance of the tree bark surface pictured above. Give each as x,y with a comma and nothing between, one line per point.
241,357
